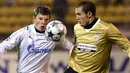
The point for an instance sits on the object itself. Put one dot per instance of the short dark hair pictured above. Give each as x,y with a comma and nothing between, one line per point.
87,6
45,10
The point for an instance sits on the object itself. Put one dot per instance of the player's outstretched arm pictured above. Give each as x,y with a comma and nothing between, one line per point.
67,44
11,41
115,36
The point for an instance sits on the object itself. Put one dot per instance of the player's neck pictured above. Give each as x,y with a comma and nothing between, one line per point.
91,20
88,26
39,31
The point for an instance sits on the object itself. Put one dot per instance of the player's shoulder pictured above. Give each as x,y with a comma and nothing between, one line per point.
24,29
105,24
20,31
77,25
27,28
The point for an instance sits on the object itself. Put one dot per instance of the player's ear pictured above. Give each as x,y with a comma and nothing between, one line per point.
89,14
34,18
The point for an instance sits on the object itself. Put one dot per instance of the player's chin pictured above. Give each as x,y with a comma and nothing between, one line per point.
81,24
79,21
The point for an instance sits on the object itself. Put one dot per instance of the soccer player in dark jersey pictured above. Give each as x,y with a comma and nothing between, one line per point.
93,41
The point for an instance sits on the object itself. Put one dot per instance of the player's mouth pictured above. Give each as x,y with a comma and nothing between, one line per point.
43,27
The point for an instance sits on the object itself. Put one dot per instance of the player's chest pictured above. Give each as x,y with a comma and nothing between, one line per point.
36,40
90,35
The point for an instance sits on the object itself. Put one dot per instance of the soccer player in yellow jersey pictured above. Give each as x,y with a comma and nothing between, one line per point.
93,41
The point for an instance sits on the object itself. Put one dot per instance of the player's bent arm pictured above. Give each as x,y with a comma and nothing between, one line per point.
11,41
66,44
115,36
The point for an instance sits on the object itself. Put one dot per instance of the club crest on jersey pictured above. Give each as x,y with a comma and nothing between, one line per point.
96,37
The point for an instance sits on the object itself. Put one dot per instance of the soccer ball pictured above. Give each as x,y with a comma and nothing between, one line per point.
55,30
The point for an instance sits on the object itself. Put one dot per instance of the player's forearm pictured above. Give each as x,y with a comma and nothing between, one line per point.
5,45
127,48
67,44
2,50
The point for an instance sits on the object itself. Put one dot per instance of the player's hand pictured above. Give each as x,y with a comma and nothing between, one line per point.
65,30
2,52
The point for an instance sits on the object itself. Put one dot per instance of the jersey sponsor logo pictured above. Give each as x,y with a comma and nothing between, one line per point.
86,47
31,49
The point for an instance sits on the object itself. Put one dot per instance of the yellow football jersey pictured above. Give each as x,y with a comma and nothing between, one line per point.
93,47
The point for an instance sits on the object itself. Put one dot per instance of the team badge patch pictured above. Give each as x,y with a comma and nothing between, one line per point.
96,37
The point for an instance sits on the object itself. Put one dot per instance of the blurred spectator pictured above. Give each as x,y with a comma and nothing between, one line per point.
103,2
119,2
60,9
10,2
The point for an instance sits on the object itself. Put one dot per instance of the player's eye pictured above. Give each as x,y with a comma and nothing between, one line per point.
40,18
78,14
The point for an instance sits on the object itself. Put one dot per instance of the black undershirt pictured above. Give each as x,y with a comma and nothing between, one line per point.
39,31
88,26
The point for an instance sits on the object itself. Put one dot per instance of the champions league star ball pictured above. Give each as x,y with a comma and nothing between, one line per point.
55,30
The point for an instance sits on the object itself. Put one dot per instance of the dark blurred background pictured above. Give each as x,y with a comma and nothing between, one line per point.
15,14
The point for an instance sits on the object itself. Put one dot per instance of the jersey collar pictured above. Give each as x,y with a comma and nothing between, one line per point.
89,26
93,24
